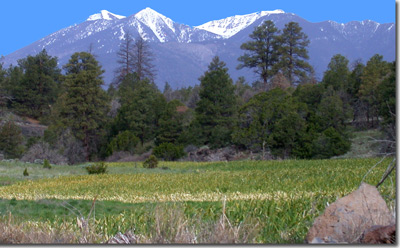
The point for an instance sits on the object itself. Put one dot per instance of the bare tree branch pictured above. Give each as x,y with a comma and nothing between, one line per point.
389,170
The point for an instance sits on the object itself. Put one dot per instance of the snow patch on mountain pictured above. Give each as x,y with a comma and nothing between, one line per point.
105,15
232,25
156,22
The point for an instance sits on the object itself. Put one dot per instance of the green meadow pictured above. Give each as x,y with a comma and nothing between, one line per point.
269,201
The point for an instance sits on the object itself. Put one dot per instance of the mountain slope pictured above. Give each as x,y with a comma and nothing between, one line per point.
230,26
182,53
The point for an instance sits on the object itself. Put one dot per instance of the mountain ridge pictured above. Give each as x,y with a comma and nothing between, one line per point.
183,52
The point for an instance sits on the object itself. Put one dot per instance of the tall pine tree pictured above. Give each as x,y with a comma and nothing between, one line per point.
262,51
84,105
216,110
38,88
141,107
375,71
293,53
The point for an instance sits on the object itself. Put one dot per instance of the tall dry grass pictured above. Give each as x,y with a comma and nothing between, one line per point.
171,227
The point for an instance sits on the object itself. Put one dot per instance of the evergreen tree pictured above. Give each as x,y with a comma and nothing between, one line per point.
270,121
172,123
216,110
124,141
354,87
310,94
11,140
331,112
167,92
126,87
37,89
293,53
3,93
243,91
338,73
84,105
261,51
337,77
330,143
374,73
140,110
387,102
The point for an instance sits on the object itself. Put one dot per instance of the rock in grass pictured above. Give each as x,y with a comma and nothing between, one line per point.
379,235
346,219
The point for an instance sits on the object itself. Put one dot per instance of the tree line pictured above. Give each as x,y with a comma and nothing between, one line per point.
287,113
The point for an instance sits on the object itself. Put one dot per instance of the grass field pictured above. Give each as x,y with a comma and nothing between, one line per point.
266,201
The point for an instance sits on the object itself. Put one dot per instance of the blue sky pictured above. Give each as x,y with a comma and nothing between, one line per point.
23,22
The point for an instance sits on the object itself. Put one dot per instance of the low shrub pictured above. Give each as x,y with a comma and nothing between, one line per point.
169,151
46,164
151,162
99,168
25,173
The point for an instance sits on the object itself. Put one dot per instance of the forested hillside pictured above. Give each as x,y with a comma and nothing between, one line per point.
287,113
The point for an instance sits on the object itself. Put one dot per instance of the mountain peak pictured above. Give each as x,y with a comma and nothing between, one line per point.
147,11
155,21
104,15
232,25
149,16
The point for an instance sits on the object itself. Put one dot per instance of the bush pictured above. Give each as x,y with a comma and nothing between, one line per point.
99,168
25,173
46,164
151,162
330,143
124,141
169,151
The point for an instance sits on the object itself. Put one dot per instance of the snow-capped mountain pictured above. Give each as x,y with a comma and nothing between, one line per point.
182,53
156,22
232,25
104,15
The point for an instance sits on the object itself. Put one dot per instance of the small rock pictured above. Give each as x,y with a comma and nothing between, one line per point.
38,161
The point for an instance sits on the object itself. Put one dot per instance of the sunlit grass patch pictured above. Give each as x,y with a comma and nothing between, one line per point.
282,197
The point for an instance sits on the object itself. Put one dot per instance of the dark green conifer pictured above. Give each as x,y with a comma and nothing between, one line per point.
216,110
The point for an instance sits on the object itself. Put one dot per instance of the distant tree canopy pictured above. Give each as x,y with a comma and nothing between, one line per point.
262,51
34,85
287,114
269,53
293,53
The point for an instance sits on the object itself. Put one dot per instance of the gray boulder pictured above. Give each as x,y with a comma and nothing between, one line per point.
345,220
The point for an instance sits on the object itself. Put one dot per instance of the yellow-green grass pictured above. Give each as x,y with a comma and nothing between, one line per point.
207,182
283,197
